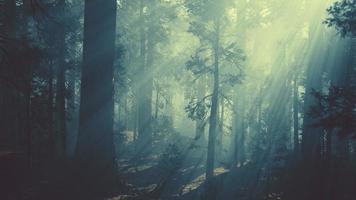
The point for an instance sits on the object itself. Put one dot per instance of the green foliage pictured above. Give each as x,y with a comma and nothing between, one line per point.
208,24
201,30
198,109
199,65
343,17
336,110
233,54
207,9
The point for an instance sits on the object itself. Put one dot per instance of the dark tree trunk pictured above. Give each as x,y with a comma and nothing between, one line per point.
221,129
7,29
311,135
148,91
9,18
28,90
214,109
28,121
235,149
135,119
50,112
157,102
127,115
328,140
95,149
60,139
311,140
296,116
156,110
242,155
239,131
236,124
72,110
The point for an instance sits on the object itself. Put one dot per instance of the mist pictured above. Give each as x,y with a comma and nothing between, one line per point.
177,99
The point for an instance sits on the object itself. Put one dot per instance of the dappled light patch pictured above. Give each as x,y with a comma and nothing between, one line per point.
274,196
245,163
193,185
220,170
199,181
138,168
123,197
185,170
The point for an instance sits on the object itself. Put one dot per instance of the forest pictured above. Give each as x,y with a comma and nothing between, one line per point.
178,99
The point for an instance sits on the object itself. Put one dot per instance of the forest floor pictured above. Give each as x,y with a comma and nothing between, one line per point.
188,182
265,180
149,178
246,182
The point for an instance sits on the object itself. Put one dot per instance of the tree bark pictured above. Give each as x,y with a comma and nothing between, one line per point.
235,123
50,112
72,110
9,17
157,102
221,129
145,89
311,138
95,148
7,28
214,108
199,123
28,91
296,116
60,139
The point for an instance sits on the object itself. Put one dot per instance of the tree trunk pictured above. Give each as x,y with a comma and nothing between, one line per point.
60,97
199,123
328,140
155,128
311,135
296,116
144,90
235,125
28,91
7,125
214,109
127,115
95,148
221,130
9,17
28,121
50,112
242,155
148,91
72,110
311,145
135,119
